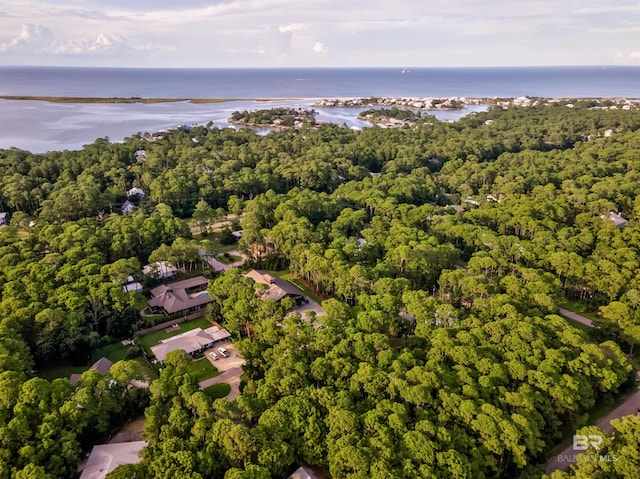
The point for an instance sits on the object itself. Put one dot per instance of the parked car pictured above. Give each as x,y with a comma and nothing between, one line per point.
214,356
224,352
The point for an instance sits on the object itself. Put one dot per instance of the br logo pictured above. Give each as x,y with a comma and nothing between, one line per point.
582,442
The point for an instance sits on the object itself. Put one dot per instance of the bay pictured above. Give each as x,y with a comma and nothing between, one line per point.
42,126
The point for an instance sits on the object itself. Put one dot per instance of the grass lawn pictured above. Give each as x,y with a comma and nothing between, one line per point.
285,275
228,259
63,369
578,325
202,369
154,338
113,352
216,391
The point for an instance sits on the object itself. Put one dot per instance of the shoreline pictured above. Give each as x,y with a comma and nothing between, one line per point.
323,102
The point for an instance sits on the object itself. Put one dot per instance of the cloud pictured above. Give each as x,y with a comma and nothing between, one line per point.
31,38
293,27
320,48
38,39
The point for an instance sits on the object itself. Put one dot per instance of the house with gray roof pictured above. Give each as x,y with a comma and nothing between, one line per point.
185,296
4,219
192,341
104,458
277,288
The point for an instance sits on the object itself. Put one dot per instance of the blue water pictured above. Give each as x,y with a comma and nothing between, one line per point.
41,126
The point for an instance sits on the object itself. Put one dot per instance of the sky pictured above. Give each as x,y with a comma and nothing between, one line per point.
319,33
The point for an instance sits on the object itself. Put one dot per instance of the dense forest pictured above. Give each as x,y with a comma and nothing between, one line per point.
442,250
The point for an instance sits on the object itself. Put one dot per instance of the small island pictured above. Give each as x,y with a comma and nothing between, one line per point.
281,117
392,117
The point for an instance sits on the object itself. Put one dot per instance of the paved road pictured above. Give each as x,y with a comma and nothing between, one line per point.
576,317
629,406
626,408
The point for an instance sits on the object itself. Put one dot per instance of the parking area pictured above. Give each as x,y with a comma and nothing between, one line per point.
230,368
311,305
223,364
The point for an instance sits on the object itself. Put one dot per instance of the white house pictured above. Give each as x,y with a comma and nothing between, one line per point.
127,207
160,270
135,191
135,286
4,219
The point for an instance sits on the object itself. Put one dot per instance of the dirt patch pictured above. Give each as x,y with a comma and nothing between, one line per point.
131,431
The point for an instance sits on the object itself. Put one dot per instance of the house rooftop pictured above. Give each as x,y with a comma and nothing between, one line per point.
189,342
174,297
617,218
102,365
278,288
105,458
303,472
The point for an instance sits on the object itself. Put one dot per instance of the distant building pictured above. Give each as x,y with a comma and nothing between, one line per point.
237,234
458,209
135,191
303,472
190,342
278,288
102,365
4,219
185,296
134,286
617,218
127,207
160,270
105,458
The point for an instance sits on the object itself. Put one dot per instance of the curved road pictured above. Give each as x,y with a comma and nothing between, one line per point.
629,406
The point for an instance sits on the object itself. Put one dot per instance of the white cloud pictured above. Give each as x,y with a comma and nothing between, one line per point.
293,27
320,48
32,38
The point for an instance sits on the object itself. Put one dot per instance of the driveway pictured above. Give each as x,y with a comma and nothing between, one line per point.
231,369
220,266
576,317
310,306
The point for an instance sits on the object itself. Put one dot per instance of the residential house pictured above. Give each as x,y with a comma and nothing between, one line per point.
160,270
617,218
237,234
278,288
135,191
190,342
184,297
102,365
4,219
127,207
303,472
104,458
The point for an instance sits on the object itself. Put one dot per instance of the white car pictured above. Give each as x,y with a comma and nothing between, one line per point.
224,352
214,356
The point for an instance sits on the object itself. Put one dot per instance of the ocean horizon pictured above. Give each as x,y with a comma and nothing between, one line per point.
40,126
